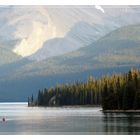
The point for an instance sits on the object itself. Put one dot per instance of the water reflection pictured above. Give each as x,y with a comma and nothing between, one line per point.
21,119
121,123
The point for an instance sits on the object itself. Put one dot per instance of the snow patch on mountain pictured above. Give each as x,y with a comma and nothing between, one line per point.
39,34
99,8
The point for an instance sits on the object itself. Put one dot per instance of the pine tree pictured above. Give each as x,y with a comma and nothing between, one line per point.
119,91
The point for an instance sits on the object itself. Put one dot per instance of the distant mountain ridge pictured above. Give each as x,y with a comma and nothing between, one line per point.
46,31
111,50
117,51
41,46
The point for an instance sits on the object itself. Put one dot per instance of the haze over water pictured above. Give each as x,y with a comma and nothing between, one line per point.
21,119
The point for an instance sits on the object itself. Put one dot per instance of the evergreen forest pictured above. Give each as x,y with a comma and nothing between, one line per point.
115,92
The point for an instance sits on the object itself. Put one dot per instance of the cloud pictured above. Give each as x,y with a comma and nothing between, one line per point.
99,8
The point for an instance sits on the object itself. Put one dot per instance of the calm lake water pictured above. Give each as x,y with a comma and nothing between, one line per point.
21,119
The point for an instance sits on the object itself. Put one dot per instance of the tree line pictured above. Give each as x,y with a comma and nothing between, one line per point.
115,92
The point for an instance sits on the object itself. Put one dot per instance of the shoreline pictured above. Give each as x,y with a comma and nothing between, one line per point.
121,111
68,106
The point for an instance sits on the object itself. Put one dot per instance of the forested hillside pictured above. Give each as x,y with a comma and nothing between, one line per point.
119,91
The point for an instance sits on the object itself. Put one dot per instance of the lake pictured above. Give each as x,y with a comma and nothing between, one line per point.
21,119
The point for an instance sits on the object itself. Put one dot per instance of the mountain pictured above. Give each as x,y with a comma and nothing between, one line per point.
118,48
10,68
40,32
117,51
88,27
7,57
80,35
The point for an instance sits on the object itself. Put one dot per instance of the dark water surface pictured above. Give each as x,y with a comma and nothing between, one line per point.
21,119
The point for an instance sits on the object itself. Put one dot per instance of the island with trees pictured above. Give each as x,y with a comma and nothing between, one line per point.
118,92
